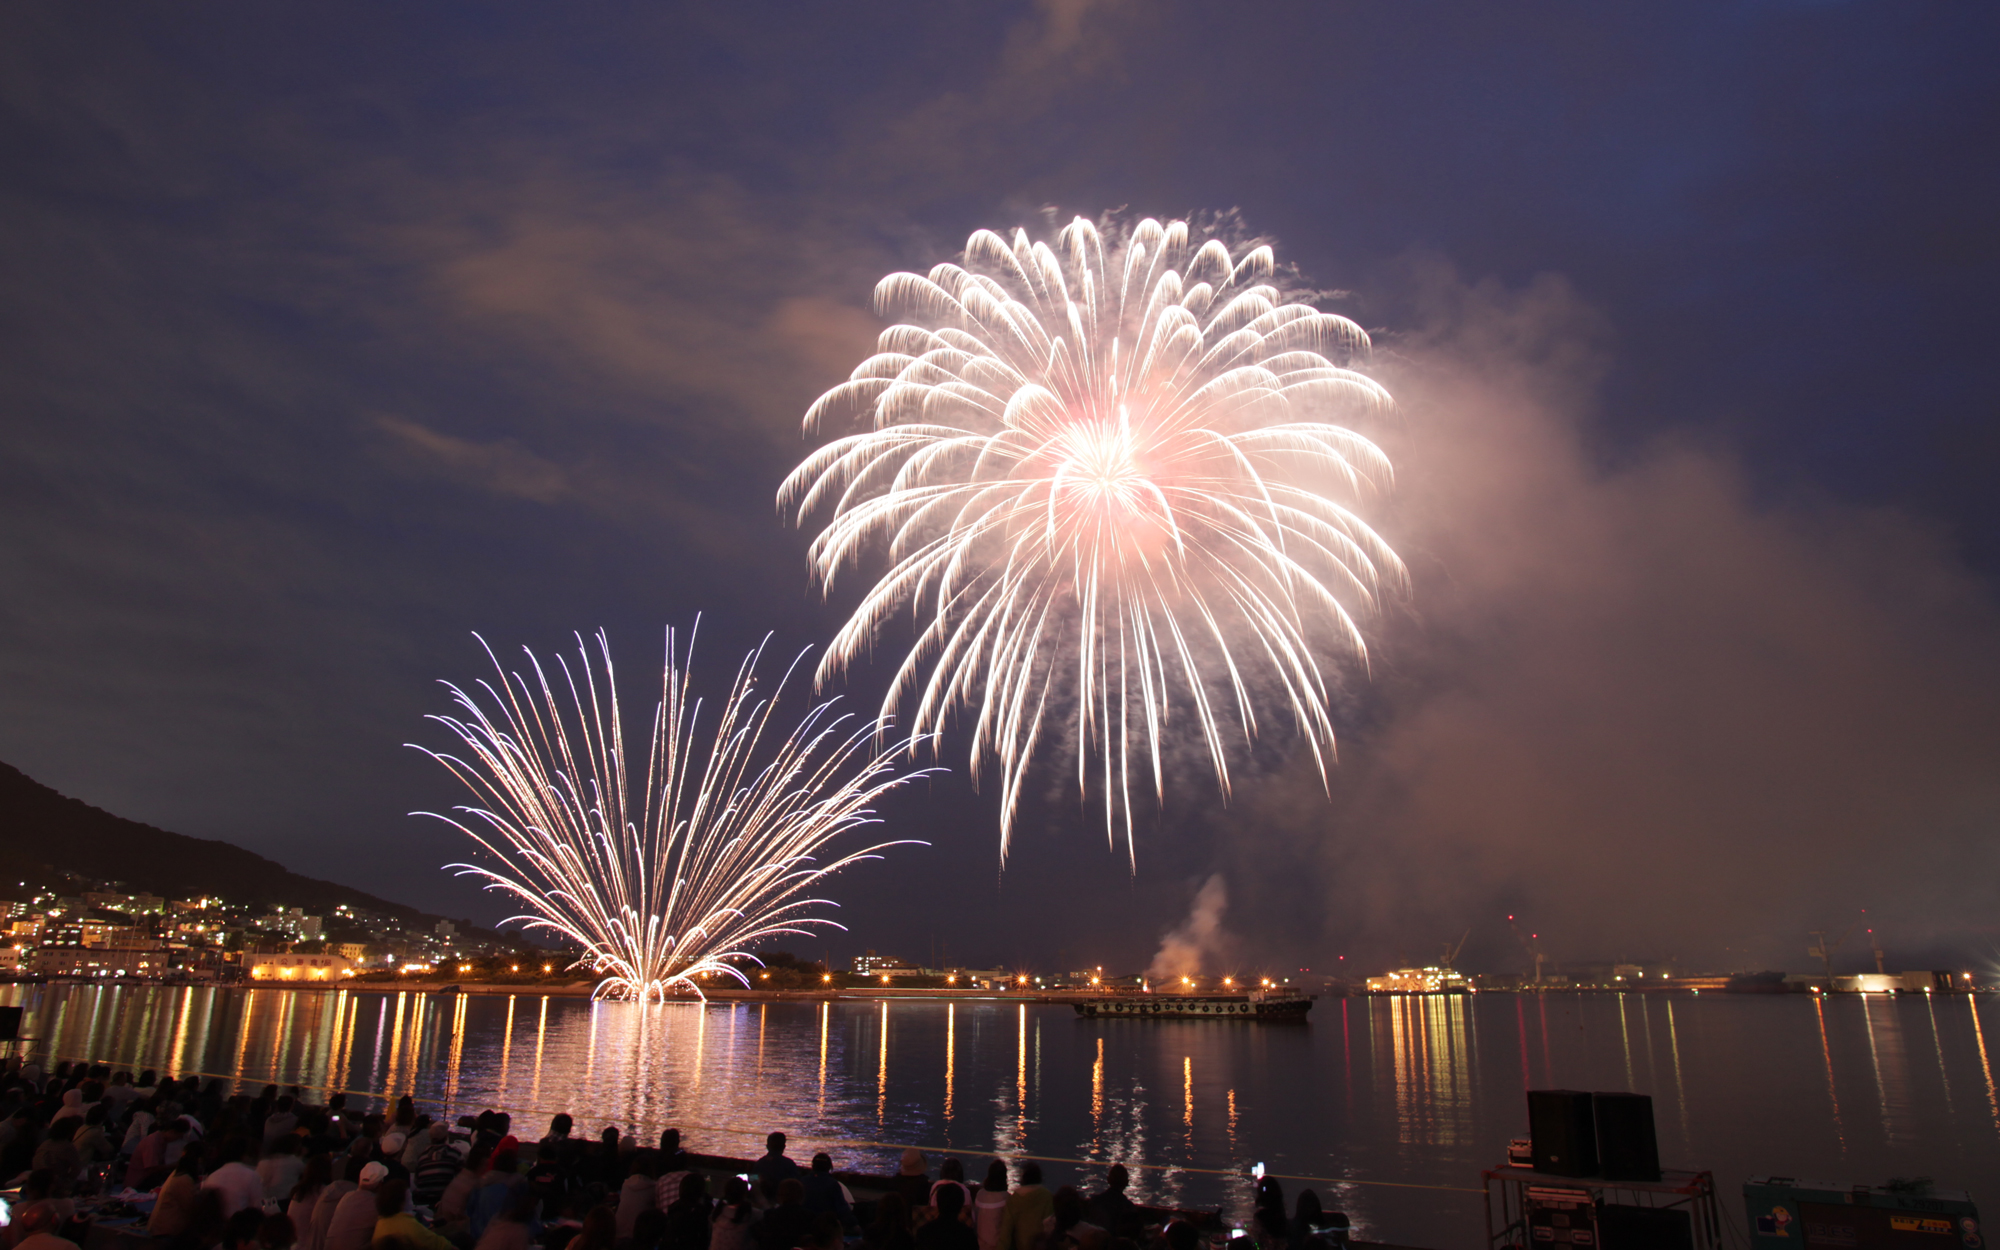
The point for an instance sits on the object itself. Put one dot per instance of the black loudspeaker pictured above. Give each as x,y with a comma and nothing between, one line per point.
1564,1132
1644,1228
10,1024
1627,1149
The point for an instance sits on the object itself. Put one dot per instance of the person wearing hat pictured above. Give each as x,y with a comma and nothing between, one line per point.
435,1167
913,1180
353,1224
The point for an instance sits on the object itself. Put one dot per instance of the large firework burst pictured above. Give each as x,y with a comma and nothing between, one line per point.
1110,484
712,857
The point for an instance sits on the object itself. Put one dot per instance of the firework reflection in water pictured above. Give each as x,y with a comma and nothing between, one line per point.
718,851
1105,475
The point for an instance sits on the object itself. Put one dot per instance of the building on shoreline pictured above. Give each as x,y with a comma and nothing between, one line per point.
285,966
149,961
97,929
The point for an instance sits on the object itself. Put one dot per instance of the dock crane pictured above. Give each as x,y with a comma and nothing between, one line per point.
1531,944
1824,953
1451,950
1875,943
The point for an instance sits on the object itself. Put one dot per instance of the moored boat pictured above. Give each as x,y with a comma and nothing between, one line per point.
1273,1004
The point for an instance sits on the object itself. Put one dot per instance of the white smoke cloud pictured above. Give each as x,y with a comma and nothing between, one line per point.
1201,937
1652,709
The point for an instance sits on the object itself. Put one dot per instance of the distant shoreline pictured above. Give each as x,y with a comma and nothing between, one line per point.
876,993
574,990
733,995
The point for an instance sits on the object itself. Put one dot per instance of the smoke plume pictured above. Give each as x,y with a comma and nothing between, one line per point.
1654,709
1182,951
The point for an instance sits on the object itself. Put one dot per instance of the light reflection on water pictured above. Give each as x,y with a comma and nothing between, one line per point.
1420,1091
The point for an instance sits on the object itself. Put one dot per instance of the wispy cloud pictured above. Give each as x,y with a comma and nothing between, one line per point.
503,466
673,294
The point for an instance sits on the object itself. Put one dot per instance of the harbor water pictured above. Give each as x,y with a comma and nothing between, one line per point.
1388,1107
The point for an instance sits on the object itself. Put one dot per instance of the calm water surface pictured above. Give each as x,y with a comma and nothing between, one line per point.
1420,1092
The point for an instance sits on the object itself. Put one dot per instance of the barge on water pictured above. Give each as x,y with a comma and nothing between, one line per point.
1275,1004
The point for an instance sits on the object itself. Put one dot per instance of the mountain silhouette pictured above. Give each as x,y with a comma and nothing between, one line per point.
44,833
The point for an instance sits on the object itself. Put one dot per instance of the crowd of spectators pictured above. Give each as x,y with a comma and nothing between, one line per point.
277,1171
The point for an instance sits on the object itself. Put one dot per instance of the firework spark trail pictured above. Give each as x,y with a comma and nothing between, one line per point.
1103,476
722,847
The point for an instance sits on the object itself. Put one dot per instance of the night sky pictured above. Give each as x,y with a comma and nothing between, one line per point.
332,334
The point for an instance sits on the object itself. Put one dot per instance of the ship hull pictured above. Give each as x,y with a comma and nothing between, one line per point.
1194,1007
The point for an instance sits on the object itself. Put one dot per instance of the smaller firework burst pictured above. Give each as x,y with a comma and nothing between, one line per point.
719,851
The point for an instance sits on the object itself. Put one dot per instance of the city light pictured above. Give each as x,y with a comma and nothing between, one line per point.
827,976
